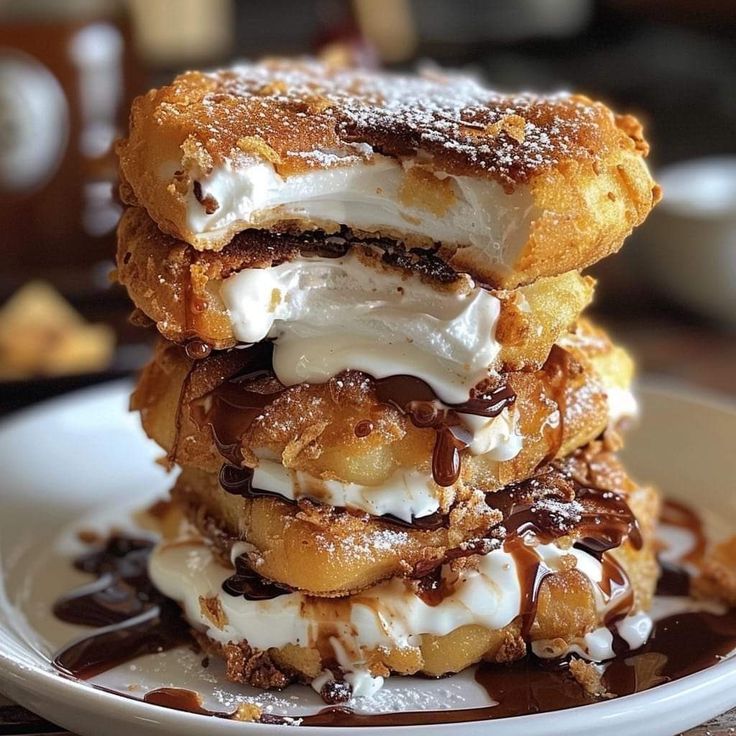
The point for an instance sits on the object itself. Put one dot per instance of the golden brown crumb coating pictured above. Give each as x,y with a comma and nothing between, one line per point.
179,288
311,428
581,166
329,552
566,610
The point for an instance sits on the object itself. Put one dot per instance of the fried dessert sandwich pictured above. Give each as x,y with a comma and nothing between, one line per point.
396,431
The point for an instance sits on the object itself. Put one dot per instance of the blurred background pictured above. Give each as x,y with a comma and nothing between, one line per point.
69,69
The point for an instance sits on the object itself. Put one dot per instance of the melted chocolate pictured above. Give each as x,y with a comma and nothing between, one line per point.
177,698
679,646
616,585
249,584
190,701
231,408
673,580
680,515
531,572
197,349
122,589
363,428
239,482
555,504
602,518
133,618
415,398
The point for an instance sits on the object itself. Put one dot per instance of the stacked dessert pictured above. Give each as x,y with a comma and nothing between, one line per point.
396,433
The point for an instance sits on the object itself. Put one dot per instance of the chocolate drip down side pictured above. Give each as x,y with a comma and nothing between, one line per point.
250,585
231,408
555,504
416,399
550,505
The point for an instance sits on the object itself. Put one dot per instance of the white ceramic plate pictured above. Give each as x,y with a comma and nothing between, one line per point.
82,460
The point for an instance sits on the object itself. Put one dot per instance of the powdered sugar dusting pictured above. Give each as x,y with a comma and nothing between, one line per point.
306,113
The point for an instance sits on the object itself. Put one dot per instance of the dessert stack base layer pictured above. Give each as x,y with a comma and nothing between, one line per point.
682,643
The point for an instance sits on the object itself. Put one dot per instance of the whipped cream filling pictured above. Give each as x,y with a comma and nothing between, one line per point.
622,404
388,615
328,315
369,194
405,495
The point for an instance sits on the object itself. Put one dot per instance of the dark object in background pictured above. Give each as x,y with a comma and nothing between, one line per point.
67,75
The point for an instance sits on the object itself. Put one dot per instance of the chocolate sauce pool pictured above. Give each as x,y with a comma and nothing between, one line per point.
129,618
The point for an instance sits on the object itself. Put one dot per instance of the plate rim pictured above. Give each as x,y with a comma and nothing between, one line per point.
30,678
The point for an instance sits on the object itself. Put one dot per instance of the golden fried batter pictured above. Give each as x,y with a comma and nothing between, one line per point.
311,428
579,167
565,612
179,288
328,552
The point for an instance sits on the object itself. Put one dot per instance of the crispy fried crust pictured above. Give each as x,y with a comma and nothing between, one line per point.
566,610
328,552
311,428
581,165
179,288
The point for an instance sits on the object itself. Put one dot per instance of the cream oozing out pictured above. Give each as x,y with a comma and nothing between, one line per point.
406,494
366,192
388,615
328,315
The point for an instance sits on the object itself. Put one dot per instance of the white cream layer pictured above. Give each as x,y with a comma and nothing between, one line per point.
405,495
622,404
387,615
363,194
328,315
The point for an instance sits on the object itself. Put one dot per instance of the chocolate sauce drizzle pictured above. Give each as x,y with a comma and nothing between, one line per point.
416,399
178,698
554,504
682,516
550,505
197,349
680,645
190,701
250,585
232,407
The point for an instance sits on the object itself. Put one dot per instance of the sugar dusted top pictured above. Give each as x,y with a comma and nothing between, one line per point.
509,187
305,114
